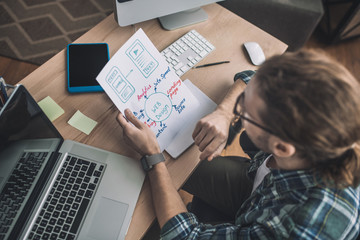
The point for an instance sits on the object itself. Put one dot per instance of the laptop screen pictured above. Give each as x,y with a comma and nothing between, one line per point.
28,153
22,118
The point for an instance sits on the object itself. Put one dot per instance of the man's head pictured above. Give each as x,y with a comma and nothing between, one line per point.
311,104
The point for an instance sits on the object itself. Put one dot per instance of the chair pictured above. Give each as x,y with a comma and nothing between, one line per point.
341,20
291,21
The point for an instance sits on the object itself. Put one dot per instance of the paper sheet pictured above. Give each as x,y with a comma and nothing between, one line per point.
82,122
184,139
51,109
138,77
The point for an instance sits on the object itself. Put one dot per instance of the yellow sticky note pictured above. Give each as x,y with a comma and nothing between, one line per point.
51,108
82,122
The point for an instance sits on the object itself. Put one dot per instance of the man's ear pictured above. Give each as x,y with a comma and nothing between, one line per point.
282,149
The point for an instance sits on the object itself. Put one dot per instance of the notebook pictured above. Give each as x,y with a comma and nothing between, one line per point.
53,188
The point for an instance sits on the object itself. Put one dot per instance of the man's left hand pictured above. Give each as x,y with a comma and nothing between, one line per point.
137,134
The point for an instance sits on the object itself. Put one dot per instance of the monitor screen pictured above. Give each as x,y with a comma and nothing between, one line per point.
128,12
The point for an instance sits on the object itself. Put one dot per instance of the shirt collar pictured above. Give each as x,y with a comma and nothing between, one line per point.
284,180
289,180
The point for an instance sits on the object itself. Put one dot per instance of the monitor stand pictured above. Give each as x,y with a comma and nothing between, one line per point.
184,18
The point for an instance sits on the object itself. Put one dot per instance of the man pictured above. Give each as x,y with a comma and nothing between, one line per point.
302,110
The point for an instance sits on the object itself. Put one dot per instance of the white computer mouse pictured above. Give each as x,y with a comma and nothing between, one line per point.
255,52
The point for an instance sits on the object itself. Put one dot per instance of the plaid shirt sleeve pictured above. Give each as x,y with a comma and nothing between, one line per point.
321,214
245,76
186,226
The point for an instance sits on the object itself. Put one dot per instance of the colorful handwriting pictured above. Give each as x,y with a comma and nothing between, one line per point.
156,106
158,81
139,115
163,76
151,124
164,110
144,92
174,89
161,130
142,115
180,107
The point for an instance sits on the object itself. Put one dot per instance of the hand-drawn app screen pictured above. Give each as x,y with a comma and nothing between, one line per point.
118,82
142,59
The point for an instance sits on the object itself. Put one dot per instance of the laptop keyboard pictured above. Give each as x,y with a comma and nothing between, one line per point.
17,188
68,201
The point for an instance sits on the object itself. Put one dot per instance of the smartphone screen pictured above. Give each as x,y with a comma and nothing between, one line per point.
84,63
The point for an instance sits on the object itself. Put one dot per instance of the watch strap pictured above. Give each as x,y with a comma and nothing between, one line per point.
148,161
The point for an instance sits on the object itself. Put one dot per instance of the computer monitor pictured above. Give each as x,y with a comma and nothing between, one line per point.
172,14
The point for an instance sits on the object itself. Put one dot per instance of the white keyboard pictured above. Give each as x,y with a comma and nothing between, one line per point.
187,51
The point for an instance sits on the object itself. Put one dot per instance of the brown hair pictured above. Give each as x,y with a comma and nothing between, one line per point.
313,102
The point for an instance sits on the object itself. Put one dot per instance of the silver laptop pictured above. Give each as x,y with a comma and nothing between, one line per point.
56,189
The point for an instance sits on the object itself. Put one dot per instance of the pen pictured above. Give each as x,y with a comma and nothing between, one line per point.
211,64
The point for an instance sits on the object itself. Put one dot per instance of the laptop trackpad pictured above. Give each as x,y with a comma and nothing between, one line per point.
108,219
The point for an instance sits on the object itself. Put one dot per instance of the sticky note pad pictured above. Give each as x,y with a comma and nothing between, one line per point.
51,108
82,122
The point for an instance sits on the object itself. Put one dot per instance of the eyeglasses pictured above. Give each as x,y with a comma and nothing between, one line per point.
237,124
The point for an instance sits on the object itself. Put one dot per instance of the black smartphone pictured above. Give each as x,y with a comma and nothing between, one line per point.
84,63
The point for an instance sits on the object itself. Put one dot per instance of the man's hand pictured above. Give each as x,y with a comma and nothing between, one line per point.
139,136
166,199
211,134
212,131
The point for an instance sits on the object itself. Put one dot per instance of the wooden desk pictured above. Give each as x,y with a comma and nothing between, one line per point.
226,31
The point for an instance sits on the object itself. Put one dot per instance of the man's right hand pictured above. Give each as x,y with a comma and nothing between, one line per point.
211,134
212,131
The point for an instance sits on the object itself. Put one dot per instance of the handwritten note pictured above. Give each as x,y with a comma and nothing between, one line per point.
139,78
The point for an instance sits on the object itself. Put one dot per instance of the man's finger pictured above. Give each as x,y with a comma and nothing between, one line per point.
206,142
131,117
211,157
121,120
197,130
199,138
214,149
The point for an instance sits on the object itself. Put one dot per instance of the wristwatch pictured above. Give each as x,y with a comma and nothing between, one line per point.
149,161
